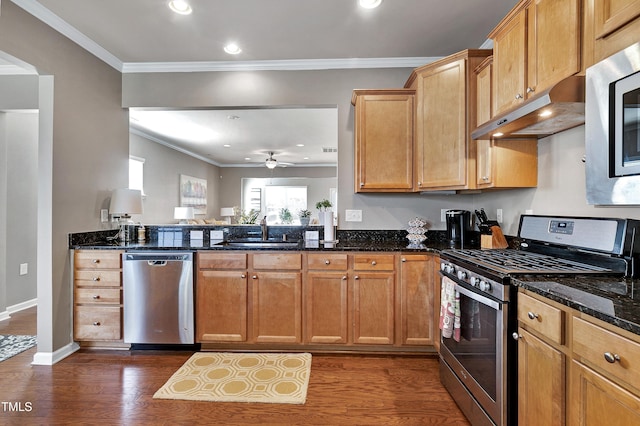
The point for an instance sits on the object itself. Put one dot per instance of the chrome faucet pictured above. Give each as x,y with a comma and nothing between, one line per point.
265,231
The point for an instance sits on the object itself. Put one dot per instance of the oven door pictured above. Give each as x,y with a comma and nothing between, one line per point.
479,357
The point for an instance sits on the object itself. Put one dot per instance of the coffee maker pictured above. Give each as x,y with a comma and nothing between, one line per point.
459,228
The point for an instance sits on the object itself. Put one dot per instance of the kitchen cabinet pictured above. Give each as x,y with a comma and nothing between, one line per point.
221,297
373,299
97,292
276,287
415,305
616,25
445,116
573,368
541,363
383,140
501,163
535,46
326,307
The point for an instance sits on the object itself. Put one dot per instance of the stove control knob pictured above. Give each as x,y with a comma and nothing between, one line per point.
443,266
462,275
485,286
473,281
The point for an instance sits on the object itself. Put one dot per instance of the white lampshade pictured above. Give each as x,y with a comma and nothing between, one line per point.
183,213
227,212
125,202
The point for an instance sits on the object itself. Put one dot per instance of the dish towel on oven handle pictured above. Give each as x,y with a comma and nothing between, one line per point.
449,310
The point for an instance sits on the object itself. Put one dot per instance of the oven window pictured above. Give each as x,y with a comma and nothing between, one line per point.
476,350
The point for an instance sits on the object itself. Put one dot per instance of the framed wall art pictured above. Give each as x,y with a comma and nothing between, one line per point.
193,193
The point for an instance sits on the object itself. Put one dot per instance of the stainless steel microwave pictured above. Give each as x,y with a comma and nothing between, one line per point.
612,129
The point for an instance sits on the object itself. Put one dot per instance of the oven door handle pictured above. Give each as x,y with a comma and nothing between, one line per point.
475,296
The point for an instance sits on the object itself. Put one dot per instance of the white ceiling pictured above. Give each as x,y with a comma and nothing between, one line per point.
145,36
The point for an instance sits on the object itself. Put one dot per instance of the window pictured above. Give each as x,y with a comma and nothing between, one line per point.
277,198
136,173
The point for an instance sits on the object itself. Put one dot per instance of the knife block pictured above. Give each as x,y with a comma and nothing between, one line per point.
495,240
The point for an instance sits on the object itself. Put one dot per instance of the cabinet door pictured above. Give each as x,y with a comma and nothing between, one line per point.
373,310
277,307
442,132
553,43
384,141
221,306
416,300
611,15
326,307
595,400
541,391
509,61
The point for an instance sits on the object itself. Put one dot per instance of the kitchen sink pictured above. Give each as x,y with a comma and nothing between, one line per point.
260,244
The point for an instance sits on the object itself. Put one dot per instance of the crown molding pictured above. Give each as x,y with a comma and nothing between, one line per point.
276,65
54,21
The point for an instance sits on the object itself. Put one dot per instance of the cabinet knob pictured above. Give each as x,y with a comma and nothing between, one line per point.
96,261
344,277
530,90
96,278
612,358
403,260
532,316
519,96
374,263
356,277
516,336
96,296
485,178
96,323
361,184
243,276
327,262
419,183
255,277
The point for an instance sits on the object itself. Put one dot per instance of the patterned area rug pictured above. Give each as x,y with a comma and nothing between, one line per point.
241,377
11,345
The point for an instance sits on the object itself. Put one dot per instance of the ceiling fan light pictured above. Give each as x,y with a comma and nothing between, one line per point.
271,163
369,4
232,49
180,6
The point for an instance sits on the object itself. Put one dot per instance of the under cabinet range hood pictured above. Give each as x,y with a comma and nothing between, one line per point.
556,109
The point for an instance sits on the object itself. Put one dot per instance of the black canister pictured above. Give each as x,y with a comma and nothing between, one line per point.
459,228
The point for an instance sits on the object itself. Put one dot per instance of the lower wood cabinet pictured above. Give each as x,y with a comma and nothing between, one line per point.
97,295
324,299
574,369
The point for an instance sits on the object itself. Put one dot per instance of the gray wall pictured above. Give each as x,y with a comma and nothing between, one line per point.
90,150
21,136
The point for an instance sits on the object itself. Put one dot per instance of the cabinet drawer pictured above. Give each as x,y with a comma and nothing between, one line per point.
374,262
222,260
595,344
97,259
277,261
328,261
541,317
97,296
97,323
89,278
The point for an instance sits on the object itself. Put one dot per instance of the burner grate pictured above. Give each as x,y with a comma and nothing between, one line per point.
514,261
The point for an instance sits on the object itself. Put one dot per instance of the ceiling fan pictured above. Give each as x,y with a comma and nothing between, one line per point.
272,163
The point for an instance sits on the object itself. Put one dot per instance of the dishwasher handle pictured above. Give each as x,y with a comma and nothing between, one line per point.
158,259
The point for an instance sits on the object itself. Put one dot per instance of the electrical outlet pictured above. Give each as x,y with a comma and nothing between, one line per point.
353,215
24,268
499,215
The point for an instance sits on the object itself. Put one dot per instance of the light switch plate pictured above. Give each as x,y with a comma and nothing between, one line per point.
353,215
196,235
311,235
216,235
24,268
104,215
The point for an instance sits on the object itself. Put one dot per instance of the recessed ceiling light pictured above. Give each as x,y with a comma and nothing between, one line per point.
180,6
300,144
247,158
369,4
226,145
232,49
305,158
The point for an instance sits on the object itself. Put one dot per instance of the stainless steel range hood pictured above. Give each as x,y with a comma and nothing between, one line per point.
562,103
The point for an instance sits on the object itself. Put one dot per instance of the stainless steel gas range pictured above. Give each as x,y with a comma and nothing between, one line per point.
478,355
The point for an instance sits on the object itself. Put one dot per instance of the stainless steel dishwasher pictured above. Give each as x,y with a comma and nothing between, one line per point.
158,297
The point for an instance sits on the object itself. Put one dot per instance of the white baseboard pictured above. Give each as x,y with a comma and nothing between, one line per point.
50,358
6,314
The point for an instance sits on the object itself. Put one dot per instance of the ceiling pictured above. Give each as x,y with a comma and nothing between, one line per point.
145,36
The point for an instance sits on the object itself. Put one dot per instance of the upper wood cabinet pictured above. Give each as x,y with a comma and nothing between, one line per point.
610,26
445,116
383,140
535,46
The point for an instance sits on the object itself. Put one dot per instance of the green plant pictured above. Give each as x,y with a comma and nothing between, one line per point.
304,213
285,215
246,218
323,205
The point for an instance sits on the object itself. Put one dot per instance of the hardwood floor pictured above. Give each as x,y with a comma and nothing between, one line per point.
116,387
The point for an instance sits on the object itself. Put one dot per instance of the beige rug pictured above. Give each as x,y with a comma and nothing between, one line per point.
241,377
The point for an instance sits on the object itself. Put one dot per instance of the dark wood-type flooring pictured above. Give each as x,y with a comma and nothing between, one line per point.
102,387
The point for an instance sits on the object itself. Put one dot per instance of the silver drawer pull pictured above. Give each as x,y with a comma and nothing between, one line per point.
356,277
96,260
518,96
516,336
327,262
97,323
96,278
532,316
344,277
374,263
243,276
612,358
97,296
255,277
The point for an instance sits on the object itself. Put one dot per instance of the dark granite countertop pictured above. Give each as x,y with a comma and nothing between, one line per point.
610,299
